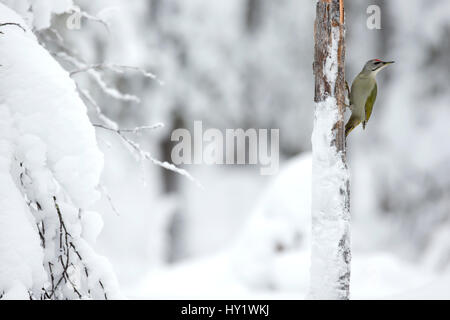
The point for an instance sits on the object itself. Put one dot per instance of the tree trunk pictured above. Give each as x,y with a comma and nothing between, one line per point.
330,260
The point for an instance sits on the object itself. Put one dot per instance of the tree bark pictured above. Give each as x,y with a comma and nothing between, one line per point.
330,260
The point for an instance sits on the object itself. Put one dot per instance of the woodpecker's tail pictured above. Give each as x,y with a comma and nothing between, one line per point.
351,124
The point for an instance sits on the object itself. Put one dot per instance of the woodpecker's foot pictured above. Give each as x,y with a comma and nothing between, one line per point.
345,104
348,90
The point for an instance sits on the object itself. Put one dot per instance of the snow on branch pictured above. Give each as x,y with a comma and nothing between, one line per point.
50,168
133,130
117,69
145,155
88,98
110,124
96,76
50,165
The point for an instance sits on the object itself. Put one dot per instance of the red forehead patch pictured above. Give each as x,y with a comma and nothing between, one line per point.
377,60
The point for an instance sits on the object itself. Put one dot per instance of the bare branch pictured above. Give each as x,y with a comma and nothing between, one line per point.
142,154
133,130
120,69
87,96
108,197
12,24
110,91
97,77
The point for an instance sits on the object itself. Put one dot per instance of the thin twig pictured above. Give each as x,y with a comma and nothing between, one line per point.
12,24
109,198
117,69
133,130
142,154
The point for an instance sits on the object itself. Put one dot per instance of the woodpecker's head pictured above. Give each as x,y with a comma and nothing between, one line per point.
376,65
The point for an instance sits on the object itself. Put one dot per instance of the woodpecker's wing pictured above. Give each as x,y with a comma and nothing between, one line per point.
369,104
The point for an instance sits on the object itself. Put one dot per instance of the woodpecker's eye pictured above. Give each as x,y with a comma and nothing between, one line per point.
377,63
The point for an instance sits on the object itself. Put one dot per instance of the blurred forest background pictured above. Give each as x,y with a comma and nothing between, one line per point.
248,64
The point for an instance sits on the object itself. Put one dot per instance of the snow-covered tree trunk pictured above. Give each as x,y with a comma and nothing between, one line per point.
330,262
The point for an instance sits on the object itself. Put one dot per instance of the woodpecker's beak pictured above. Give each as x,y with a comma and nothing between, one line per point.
383,65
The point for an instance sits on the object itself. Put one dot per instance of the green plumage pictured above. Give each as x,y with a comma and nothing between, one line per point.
363,94
369,104
362,99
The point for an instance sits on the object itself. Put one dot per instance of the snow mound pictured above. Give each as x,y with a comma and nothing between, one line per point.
280,223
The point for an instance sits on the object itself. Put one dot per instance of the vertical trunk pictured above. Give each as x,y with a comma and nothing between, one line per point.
253,15
176,231
330,261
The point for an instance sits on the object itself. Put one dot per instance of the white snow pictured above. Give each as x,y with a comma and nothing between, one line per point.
30,77
328,221
375,276
92,225
331,62
42,10
220,241
253,267
50,167
280,222
20,252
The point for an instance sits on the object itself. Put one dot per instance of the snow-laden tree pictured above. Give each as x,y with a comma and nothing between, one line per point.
330,261
50,167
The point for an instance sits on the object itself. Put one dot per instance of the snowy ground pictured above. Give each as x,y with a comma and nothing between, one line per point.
250,269
231,244
374,276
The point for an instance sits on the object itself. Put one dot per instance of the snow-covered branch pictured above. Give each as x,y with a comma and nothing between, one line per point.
142,154
110,124
50,168
120,69
133,130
